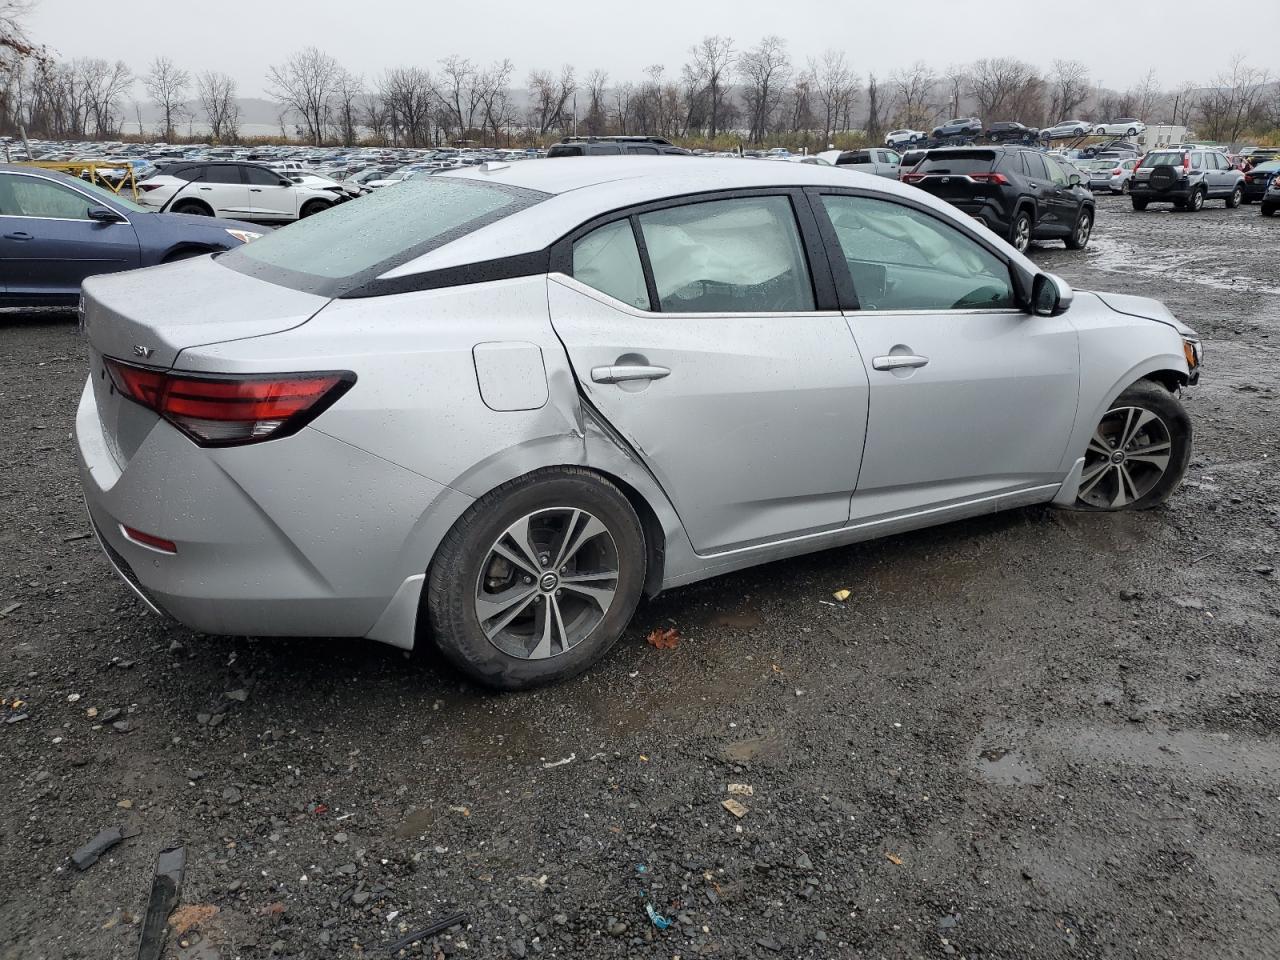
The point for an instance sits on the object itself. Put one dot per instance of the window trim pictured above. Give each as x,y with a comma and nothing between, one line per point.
813,247
93,201
848,295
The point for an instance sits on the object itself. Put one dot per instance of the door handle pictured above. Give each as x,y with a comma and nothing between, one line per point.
622,373
206,189
17,236
898,361
255,189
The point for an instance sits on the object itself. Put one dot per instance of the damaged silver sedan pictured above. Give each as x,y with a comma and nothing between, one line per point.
493,408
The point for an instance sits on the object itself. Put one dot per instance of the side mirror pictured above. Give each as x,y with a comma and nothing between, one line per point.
1074,180
1051,296
104,215
285,182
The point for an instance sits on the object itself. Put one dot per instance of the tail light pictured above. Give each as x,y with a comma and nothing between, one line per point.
1117,171
997,178
223,411
912,177
1186,161
148,187
1248,178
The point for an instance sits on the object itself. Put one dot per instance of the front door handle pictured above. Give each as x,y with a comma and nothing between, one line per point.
621,373
255,189
17,236
898,361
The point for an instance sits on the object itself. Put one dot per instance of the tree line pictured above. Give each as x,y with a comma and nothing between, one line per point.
721,93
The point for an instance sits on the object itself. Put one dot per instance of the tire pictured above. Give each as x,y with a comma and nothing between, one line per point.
1132,132
1236,198
1020,231
1195,202
1140,205
1083,229
1268,211
1151,463
312,207
1124,188
473,564
193,207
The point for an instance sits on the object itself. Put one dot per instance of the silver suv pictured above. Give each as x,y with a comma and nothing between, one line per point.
1185,178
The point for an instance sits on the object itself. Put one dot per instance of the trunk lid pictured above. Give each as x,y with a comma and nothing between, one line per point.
149,316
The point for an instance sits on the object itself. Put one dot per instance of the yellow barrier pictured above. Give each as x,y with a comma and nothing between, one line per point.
93,172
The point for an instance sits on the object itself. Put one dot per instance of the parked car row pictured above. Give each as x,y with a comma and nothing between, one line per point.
1012,131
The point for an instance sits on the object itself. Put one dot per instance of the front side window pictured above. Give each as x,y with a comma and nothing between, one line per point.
608,260
37,197
902,259
1056,173
728,256
262,177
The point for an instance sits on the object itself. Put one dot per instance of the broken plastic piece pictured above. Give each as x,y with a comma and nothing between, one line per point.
88,855
440,926
166,886
658,919
843,595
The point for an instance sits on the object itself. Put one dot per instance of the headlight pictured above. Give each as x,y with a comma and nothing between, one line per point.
1192,350
244,236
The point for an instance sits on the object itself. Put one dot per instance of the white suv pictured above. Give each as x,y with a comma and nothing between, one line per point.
244,191
902,138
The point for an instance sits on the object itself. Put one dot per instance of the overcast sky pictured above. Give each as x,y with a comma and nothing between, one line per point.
1119,41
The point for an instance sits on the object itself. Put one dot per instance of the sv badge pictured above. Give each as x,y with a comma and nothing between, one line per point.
145,352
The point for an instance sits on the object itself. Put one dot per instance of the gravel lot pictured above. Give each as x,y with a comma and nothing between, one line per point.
1039,734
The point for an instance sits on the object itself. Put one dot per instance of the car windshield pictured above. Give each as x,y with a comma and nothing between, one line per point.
958,162
338,251
113,197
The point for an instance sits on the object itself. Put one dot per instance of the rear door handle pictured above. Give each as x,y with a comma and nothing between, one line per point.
17,236
621,373
898,361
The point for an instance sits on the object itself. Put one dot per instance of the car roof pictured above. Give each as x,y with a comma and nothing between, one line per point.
583,188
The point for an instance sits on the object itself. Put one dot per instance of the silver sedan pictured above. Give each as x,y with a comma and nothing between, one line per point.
492,409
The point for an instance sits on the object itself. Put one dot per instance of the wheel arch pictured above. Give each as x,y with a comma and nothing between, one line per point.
178,200
184,249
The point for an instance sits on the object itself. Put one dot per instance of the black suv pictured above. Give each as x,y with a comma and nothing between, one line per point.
1010,131
1185,178
614,147
1021,194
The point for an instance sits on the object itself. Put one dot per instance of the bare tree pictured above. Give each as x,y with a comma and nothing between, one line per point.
596,120
168,84
1143,96
1005,88
957,80
348,96
551,97
1068,89
407,95
306,84
103,84
913,89
713,59
1233,103
874,121
765,71
217,93
835,87
495,98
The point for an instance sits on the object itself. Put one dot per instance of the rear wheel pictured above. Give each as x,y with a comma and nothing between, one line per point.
1124,187
1020,231
1139,204
1138,453
538,579
194,207
1236,198
1079,238
1195,203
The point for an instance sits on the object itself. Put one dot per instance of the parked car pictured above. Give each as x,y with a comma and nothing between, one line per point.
547,451
1271,199
1067,129
614,147
1010,131
909,161
1185,178
56,230
960,127
904,138
1096,173
246,190
1121,174
880,161
1127,127
1021,194
1258,180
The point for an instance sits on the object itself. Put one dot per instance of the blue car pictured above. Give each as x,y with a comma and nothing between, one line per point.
55,230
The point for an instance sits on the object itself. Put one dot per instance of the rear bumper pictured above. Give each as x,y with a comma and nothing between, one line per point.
1254,192
1180,193
302,536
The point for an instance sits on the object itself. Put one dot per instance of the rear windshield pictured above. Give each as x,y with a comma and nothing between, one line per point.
847,158
336,252
960,162
1162,158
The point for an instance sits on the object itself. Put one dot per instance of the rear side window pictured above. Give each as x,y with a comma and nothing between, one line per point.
728,256
190,174
960,162
337,252
648,151
848,159
222,174
608,260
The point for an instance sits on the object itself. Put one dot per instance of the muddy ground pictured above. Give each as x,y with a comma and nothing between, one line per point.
1038,734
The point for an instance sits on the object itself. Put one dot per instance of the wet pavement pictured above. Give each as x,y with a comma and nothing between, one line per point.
1034,734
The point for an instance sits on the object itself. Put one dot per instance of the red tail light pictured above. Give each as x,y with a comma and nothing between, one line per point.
997,178
912,177
1248,178
1117,171
221,411
1186,161
148,187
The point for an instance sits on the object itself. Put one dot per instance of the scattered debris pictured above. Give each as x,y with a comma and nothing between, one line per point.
663,639
240,695
88,855
11,608
273,910
740,790
842,595
191,916
440,926
77,536
166,886
560,763
734,807
656,918
894,859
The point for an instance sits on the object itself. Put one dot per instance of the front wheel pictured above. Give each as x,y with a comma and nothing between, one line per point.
1236,198
312,207
1079,238
538,579
1138,453
1268,211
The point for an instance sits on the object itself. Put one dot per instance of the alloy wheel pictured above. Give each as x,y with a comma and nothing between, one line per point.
1127,456
1022,233
547,582
1083,228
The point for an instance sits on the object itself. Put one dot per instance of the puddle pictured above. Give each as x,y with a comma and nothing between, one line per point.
1005,767
1111,255
767,747
1197,755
